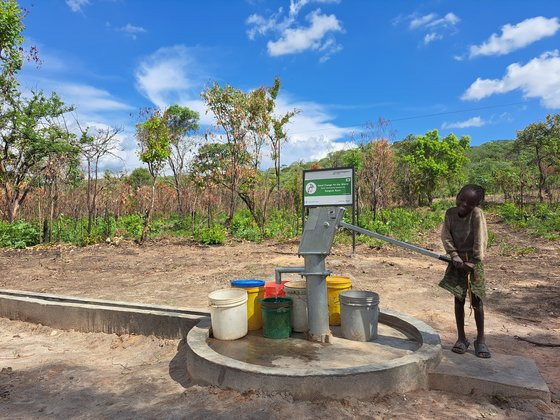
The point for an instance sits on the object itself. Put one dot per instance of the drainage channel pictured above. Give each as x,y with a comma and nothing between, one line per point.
99,302
96,315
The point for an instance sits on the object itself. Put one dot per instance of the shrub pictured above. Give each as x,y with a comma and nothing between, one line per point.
19,234
215,235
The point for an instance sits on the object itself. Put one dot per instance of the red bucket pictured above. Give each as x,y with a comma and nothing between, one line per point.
271,289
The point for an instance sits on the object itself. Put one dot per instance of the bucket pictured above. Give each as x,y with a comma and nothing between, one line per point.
359,315
297,290
255,292
336,285
228,311
277,317
271,289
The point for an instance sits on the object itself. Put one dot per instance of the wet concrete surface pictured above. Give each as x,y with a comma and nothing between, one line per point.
297,352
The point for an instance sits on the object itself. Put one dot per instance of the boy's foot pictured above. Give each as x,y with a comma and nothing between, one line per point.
461,346
481,350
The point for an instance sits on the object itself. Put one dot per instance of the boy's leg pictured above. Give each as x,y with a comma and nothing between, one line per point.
478,307
462,343
480,348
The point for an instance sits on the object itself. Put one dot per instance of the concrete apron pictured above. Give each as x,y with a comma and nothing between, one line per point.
508,376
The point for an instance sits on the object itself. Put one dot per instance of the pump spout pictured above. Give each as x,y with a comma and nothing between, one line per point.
393,241
279,270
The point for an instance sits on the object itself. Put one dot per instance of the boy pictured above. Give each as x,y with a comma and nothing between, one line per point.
464,238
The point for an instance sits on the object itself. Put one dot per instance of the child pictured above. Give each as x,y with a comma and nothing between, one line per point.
464,238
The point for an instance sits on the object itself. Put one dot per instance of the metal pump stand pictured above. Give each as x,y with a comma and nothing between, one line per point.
316,243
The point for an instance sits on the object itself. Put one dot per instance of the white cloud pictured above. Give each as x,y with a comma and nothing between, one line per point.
449,19
431,21
311,133
471,122
172,75
514,37
299,39
421,21
87,98
132,30
539,78
76,5
433,25
293,37
431,37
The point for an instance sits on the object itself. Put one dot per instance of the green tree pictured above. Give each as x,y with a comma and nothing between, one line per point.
256,186
96,143
275,128
209,169
154,141
543,140
139,177
181,122
426,161
11,40
32,133
230,107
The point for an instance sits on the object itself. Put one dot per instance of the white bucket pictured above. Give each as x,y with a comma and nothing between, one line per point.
359,315
297,290
228,311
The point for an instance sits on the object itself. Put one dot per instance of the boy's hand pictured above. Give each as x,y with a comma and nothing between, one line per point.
469,266
457,262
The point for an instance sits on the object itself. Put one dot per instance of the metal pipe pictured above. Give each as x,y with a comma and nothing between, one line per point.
279,270
396,242
317,299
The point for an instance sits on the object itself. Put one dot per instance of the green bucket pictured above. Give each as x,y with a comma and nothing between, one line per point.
277,317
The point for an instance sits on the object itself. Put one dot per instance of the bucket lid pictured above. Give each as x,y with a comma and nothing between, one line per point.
247,283
359,297
338,280
227,297
300,284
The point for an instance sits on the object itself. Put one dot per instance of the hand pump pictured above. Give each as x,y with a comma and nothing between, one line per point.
315,246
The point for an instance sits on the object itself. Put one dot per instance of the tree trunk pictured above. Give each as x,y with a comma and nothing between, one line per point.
148,215
180,208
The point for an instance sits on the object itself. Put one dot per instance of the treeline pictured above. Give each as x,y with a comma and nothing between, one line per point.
211,183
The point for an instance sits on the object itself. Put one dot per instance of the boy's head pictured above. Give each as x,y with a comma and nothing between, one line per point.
469,197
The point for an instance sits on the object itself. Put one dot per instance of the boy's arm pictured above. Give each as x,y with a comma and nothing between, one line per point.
447,238
480,236
448,243
480,239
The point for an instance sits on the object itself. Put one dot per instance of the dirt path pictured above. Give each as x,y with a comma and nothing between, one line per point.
55,372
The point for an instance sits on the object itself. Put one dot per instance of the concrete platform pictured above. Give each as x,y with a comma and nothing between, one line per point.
508,376
400,361
298,352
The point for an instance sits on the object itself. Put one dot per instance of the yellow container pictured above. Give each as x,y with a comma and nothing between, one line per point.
254,310
336,285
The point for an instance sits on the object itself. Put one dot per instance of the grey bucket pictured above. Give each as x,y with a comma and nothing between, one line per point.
359,315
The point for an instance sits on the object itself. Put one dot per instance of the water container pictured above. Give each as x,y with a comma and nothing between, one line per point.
297,290
255,292
336,285
277,317
271,289
359,314
228,311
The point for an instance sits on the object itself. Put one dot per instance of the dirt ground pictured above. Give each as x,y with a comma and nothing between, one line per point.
47,372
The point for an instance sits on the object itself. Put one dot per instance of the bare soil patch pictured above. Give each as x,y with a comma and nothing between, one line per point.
45,372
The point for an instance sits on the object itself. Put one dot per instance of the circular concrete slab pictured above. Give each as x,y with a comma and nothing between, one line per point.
398,361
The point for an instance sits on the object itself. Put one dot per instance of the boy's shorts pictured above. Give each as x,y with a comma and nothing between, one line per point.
456,281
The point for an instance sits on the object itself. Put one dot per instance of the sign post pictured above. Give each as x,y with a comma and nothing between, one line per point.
329,187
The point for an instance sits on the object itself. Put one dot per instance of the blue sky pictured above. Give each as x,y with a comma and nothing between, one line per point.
478,68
